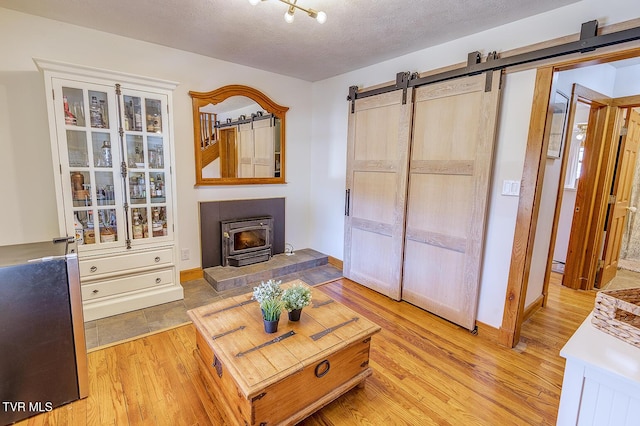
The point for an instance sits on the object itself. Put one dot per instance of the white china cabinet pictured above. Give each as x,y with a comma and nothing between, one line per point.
112,148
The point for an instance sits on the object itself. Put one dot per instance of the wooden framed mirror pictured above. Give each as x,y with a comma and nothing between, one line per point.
239,137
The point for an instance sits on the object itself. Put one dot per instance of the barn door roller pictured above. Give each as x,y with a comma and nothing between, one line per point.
402,83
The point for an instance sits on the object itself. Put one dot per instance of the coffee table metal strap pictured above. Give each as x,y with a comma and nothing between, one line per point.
270,342
216,336
323,333
237,305
320,304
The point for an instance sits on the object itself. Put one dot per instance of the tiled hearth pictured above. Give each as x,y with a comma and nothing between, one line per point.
224,278
130,325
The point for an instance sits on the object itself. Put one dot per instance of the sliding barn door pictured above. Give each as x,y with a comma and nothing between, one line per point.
263,148
256,148
449,177
245,150
377,158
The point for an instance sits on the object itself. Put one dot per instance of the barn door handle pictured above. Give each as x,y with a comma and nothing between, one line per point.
347,199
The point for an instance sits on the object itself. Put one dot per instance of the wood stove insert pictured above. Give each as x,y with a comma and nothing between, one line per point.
246,241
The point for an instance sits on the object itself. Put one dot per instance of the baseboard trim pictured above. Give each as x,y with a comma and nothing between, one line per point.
488,333
506,338
533,308
191,274
335,262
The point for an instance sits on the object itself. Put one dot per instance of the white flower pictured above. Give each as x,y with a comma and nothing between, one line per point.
269,290
296,297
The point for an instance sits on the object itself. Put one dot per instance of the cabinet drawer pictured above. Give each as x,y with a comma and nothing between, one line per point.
130,283
118,263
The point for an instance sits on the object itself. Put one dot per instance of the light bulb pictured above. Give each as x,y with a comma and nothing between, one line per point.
288,17
321,18
254,2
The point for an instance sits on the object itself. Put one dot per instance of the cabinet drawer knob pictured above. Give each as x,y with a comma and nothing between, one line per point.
323,368
157,259
158,280
93,268
95,291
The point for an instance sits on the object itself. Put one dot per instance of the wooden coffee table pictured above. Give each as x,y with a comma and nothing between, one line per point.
280,378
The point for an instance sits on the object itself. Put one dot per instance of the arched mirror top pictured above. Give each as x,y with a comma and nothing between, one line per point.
239,137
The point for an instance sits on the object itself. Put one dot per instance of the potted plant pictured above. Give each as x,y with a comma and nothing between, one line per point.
268,295
271,308
294,299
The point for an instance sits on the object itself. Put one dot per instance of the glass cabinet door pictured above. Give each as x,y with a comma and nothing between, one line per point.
90,163
113,154
145,136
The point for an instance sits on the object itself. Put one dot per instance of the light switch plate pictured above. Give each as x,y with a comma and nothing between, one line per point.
511,188
184,254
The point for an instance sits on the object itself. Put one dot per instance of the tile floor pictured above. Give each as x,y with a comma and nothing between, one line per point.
107,331
624,279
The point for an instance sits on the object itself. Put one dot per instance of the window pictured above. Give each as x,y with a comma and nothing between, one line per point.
574,163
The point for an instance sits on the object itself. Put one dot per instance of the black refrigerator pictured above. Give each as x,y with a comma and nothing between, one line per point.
43,356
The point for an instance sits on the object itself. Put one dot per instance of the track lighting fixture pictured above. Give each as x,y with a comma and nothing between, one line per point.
319,16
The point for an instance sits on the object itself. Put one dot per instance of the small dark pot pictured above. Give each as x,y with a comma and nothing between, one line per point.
294,315
270,326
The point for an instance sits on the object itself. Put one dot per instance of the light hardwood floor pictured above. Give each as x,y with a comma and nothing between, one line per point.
426,371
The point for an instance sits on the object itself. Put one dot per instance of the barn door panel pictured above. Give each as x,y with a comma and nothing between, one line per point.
454,127
377,161
263,148
245,151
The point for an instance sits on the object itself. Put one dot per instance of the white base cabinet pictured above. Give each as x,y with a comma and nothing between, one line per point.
119,283
601,384
113,156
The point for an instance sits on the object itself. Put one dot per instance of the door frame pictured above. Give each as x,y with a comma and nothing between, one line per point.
576,265
228,152
621,184
587,96
593,190
531,189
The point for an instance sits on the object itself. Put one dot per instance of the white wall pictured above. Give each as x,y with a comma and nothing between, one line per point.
627,81
543,231
564,225
329,129
27,192
601,78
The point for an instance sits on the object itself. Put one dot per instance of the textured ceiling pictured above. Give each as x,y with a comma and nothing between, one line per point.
357,33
